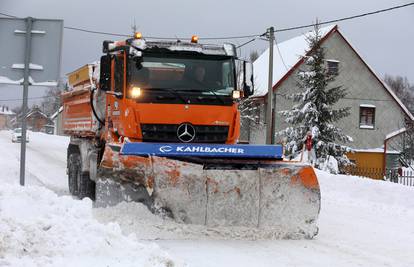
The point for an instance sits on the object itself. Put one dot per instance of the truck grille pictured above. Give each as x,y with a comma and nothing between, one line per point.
168,133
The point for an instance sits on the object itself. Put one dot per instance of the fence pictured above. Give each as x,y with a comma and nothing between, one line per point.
405,177
374,173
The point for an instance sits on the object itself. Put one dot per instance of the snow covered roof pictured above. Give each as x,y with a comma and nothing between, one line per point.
6,112
6,80
291,51
36,110
377,150
395,133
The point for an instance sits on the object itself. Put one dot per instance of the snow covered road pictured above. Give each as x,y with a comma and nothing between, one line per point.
362,223
45,159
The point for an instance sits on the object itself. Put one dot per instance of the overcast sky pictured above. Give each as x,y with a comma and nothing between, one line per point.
385,41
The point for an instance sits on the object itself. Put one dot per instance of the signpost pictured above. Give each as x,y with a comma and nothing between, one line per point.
38,54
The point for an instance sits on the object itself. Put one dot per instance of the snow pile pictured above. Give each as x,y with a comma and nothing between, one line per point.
136,218
38,228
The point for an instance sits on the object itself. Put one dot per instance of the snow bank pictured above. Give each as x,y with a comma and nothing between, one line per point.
365,191
38,228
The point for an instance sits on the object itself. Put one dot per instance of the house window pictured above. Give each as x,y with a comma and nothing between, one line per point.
333,66
367,116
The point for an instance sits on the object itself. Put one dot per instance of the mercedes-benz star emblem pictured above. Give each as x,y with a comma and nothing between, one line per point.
186,132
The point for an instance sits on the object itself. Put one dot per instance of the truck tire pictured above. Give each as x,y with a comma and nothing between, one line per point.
86,186
74,169
79,183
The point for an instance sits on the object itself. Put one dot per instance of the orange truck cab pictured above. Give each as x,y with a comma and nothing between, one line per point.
150,91
172,91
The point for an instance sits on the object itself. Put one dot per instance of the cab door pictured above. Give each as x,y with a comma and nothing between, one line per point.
115,98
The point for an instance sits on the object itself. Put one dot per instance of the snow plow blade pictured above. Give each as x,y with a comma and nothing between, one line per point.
253,189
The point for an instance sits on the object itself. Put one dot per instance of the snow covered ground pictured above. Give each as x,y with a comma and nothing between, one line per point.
40,228
362,223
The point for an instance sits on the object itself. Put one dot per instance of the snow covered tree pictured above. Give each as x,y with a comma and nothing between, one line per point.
314,108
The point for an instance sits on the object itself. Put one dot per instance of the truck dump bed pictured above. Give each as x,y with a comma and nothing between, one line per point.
78,118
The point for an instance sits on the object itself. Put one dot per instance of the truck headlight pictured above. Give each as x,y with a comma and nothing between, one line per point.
236,94
135,92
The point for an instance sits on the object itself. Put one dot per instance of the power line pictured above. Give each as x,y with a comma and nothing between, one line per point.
345,18
20,99
248,42
96,32
164,38
149,37
8,15
240,36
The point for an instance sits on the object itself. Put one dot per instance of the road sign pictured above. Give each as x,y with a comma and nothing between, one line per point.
30,52
46,44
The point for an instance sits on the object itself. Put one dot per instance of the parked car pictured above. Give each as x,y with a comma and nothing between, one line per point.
17,135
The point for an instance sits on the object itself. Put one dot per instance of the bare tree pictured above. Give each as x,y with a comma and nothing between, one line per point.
253,55
405,91
402,88
52,101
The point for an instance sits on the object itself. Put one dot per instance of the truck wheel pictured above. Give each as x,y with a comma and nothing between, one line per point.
79,183
74,170
86,186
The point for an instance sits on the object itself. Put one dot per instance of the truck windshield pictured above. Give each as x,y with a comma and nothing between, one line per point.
209,76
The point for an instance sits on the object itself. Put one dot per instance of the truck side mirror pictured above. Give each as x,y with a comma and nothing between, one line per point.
248,84
105,73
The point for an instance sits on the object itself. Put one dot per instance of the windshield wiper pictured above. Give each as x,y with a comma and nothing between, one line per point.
210,91
171,91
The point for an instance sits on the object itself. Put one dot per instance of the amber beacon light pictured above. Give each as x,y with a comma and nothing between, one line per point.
194,39
138,35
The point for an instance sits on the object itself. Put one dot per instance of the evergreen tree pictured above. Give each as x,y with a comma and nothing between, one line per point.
314,110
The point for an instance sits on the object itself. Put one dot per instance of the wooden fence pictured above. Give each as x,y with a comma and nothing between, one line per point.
405,177
374,173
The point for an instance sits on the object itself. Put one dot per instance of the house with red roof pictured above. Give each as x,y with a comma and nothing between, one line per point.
375,110
6,115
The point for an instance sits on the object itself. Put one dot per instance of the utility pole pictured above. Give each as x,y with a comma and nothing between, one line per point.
269,115
134,28
26,82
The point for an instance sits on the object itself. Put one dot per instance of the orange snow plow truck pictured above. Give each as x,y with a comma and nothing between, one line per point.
157,122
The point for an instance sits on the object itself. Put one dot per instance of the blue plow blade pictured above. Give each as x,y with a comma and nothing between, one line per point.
203,150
